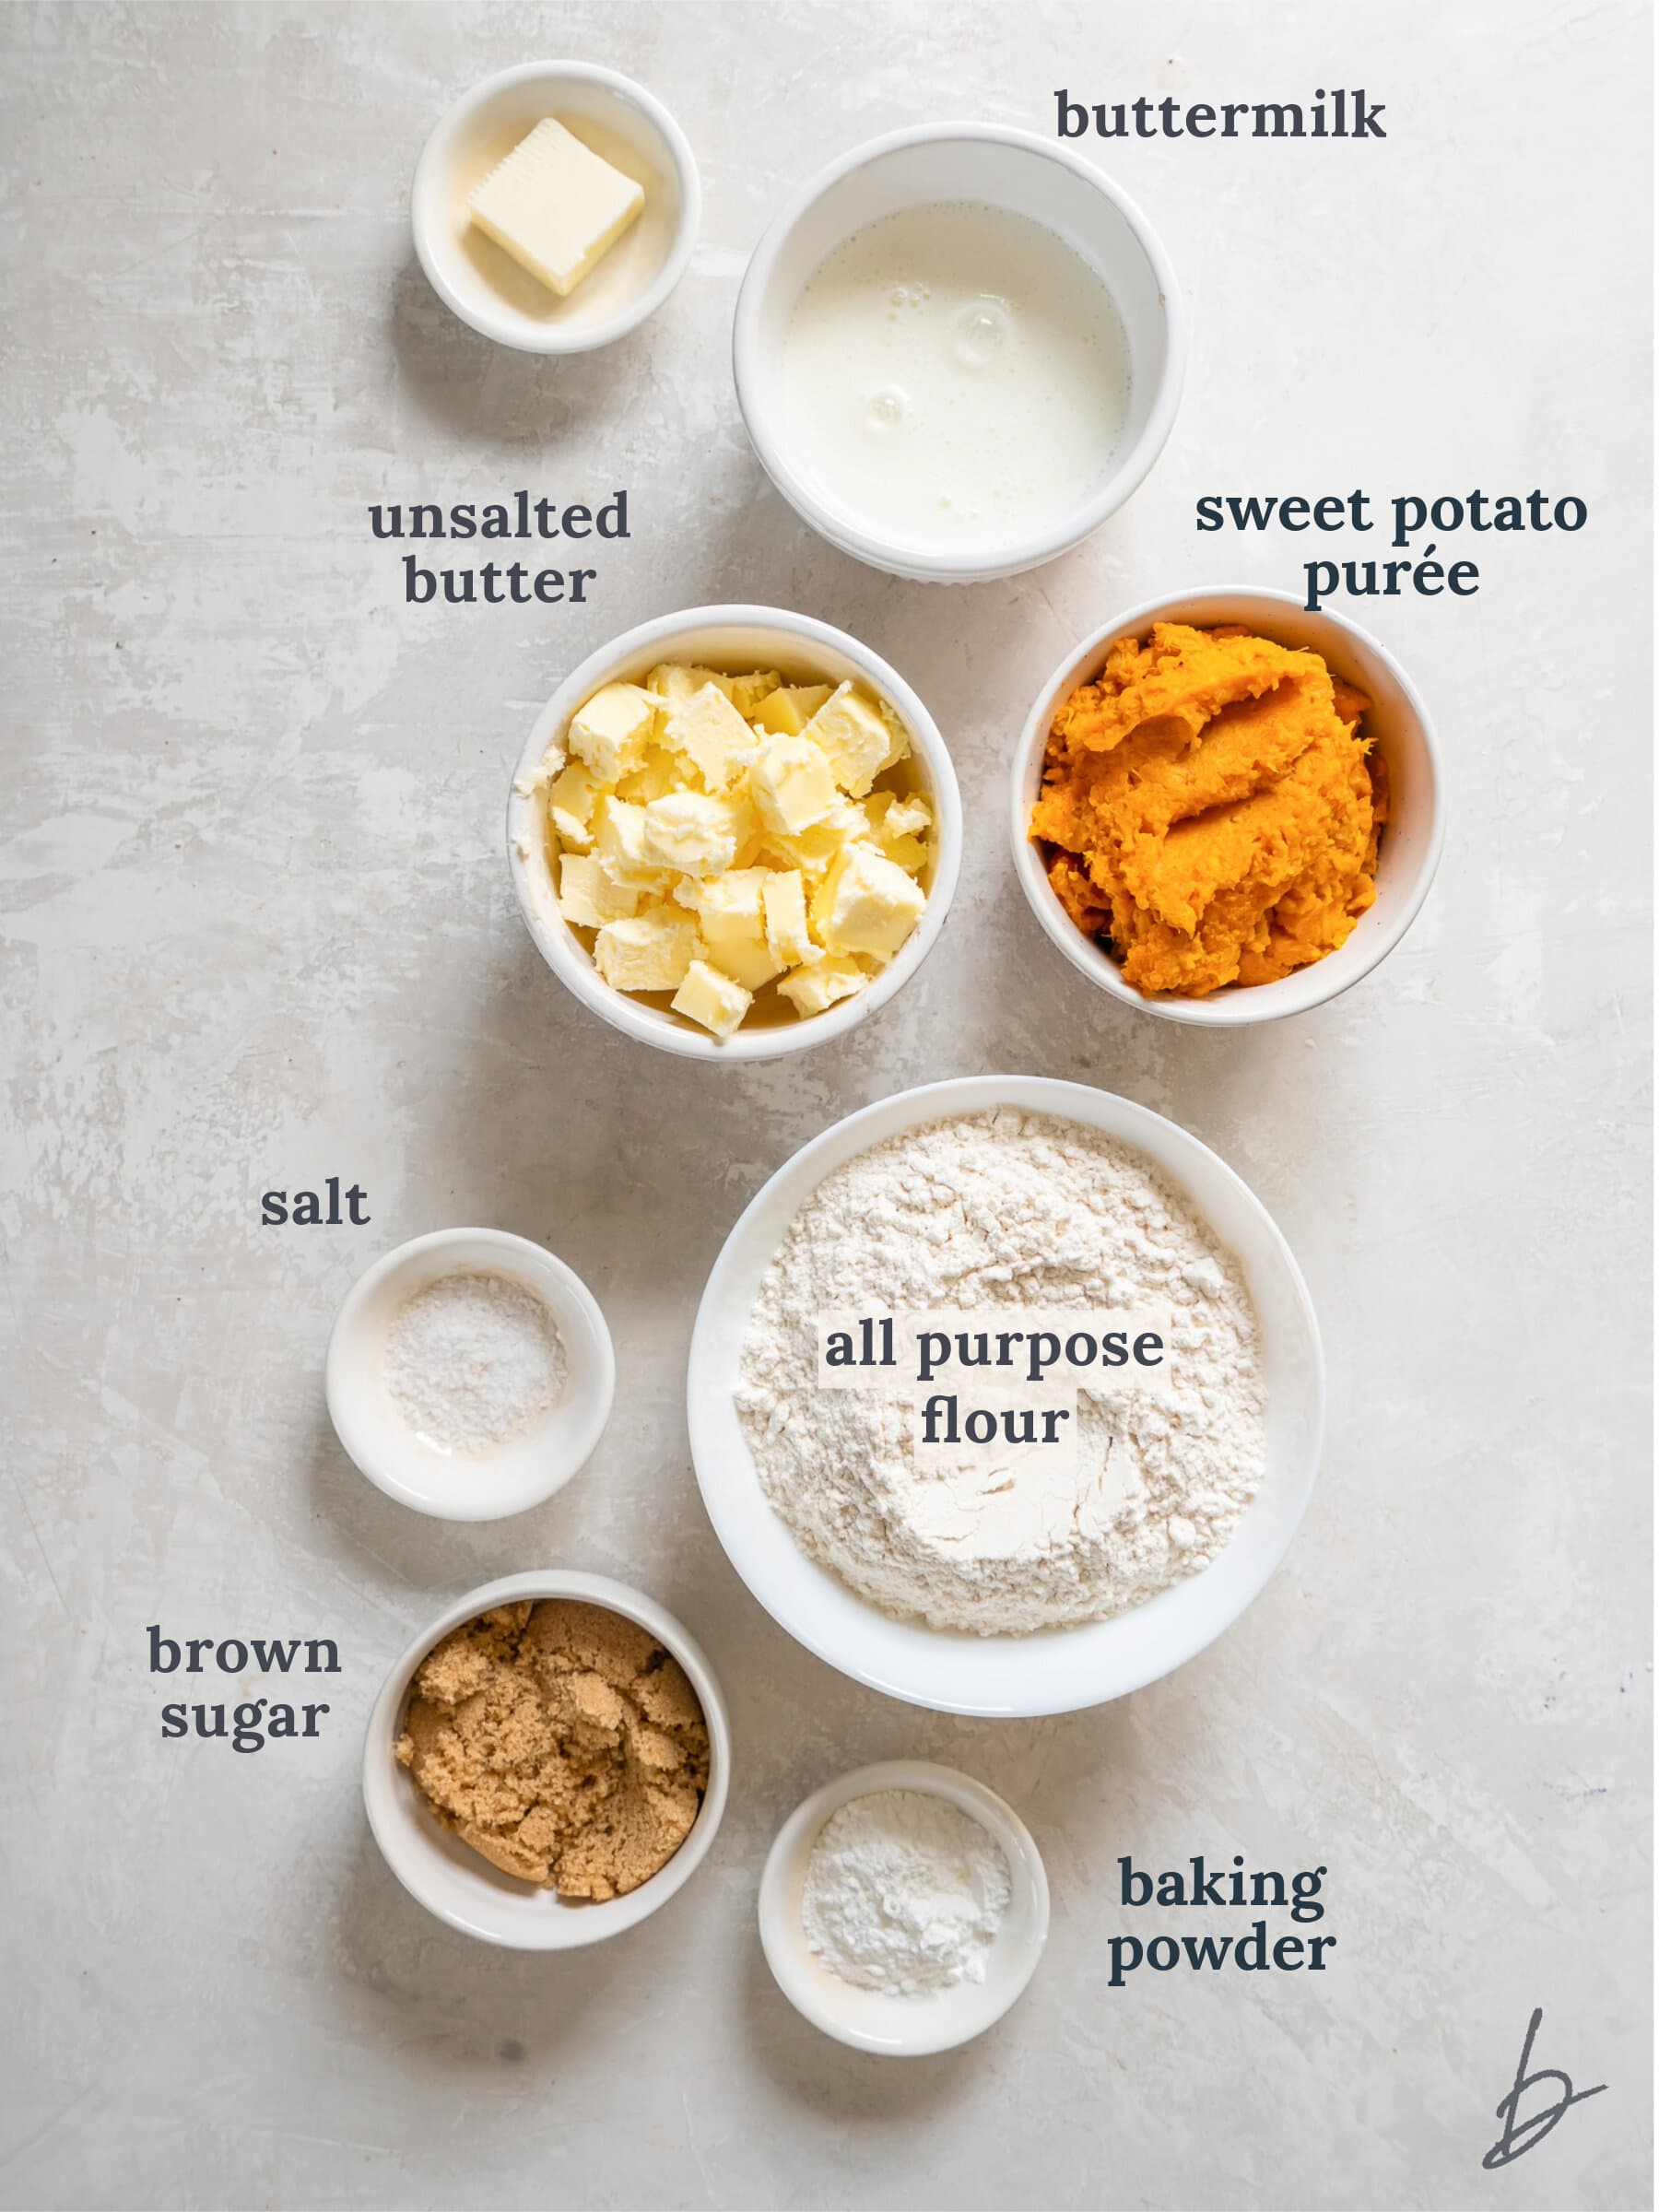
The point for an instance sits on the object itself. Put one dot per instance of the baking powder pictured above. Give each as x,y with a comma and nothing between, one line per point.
904,1892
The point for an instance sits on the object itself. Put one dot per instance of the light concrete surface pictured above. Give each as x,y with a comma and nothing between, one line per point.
258,931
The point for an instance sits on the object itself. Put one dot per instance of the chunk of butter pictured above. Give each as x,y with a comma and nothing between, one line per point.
712,734
693,832
649,952
711,998
867,904
612,732
811,989
859,743
556,206
784,900
792,785
734,926
587,895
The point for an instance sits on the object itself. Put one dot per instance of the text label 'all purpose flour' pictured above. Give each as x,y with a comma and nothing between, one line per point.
1057,1228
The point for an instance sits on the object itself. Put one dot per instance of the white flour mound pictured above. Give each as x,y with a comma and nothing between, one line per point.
1007,1209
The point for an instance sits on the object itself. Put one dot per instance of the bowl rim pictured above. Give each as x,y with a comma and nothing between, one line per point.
614,1915
784,1944
570,962
1235,1007
922,1103
986,564
340,1392
557,339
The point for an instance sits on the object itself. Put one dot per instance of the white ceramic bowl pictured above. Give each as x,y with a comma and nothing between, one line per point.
451,1880
1060,1670
375,1435
481,282
729,638
1006,169
1406,859
870,2019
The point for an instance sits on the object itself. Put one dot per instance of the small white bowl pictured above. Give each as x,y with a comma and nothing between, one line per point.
870,2020
452,1486
1006,169
1406,859
449,1878
728,639
481,282
1058,1670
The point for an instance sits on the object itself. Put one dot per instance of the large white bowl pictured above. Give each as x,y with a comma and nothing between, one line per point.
728,638
1406,859
449,1878
871,2019
480,282
1059,1670
1006,169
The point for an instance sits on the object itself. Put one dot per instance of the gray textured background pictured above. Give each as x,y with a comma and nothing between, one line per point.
258,931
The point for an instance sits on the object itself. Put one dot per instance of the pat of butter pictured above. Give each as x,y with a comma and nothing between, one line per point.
555,206
867,904
711,998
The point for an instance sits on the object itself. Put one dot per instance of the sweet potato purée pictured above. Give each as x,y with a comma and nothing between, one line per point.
1212,808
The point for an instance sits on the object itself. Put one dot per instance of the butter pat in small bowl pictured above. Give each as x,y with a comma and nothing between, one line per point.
555,207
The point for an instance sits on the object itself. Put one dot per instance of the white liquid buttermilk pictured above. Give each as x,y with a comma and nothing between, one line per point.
956,378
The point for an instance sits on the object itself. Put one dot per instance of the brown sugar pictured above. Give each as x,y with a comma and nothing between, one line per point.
562,1742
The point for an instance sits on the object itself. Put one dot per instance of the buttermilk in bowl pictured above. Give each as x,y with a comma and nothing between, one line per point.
735,847
956,378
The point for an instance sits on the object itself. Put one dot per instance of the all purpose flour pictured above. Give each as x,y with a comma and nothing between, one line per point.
1011,1209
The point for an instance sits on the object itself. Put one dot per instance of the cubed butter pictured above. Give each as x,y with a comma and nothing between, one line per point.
908,815
792,784
732,920
783,905
816,850
715,999
748,692
587,897
556,206
811,989
867,904
787,711
647,952
708,729
612,731
659,773
855,737
693,832
619,844
571,799
889,818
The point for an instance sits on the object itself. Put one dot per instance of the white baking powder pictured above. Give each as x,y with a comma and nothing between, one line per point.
904,1892
1007,1209
474,1361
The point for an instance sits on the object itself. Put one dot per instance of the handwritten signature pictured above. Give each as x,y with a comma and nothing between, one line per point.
1521,2135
